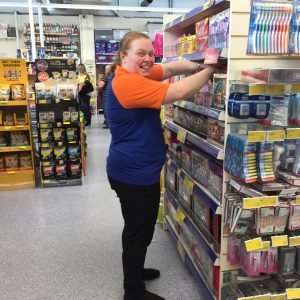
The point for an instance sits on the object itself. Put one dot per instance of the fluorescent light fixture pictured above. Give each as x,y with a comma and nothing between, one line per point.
98,7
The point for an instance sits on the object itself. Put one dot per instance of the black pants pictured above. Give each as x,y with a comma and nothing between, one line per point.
139,206
85,100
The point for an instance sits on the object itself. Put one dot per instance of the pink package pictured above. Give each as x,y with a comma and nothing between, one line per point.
200,44
273,260
233,252
202,27
253,264
264,262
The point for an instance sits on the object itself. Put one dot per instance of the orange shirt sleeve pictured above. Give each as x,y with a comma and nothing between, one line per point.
136,91
156,73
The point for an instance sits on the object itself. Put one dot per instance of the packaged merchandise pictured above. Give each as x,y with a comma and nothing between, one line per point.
281,219
202,27
2,169
25,161
294,220
59,134
205,96
3,140
200,124
265,219
74,116
66,116
184,195
21,119
9,120
215,179
46,153
18,92
74,152
74,169
219,90
50,117
42,91
200,167
66,91
43,117
265,37
287,260
215,132
171,177
279,110
11,162
72,133
4,92
61,171
265,161
46,135
186,157
60,152
294,46
48,171
200,44
19,138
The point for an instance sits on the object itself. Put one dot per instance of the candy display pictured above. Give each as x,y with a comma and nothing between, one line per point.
219,90
25,161
18,92
4,92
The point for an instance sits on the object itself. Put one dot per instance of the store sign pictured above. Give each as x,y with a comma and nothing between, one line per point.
55,68
13,71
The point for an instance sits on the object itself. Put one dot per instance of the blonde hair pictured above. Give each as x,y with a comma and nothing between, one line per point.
81,68
126,42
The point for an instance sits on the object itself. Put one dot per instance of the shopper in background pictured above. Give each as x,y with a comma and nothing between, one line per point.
102,86
137,151
85,89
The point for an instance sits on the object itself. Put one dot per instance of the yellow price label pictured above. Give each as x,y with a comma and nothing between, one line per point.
298,200
44,125
180,216
22,147
280,241
266,246
7,127
11,173
72,142
66,123
268,201
46,163
263,297
42,101
45,145
278,297
255,244
189,184
275,135
257,89
20,126
256,136
295,88
178,172
181,135
169,162
276,89
181,250
250,203
182,103
67,99
3,102
293,133
293,293
294,241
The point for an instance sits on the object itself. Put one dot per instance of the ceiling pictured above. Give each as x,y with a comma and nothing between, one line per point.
173,6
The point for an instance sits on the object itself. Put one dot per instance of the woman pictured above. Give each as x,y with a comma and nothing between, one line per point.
137,152
84,92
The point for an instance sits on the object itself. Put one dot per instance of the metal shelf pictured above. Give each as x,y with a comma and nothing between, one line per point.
63,182
189,260
197,141
202,241
198,56
203,110
204,193
196,15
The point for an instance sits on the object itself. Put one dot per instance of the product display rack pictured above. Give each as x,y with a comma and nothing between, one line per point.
60,155
190,214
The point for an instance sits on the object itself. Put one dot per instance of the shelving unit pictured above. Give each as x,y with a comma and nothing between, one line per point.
16,155
177,211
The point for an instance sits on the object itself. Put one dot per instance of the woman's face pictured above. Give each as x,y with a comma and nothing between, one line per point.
139,58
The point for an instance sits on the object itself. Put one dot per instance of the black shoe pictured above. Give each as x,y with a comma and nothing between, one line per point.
150,274
151,296
104,127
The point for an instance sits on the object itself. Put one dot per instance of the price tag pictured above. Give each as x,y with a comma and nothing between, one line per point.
169,162
11,173
257,89
293,293
67,99
180,216
72,142
46,163
275,135
255,244
298,200
294,241
189,184
293,133
263,297
3,102
178,172
22,147
295,88
276,89
256,136
280,241
212,56
181,250
44,125
181,135
278,297
266,246
7,127
182,103
45,145
250,203
66,123
268,201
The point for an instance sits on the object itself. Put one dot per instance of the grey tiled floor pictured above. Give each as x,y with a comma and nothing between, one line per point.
64,243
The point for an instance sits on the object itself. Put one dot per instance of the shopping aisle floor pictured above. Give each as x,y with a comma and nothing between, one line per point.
65,243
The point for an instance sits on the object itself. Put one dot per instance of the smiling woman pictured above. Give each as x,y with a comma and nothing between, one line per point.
137,151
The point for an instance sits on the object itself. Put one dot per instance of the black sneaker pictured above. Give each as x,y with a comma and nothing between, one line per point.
150,274
151,296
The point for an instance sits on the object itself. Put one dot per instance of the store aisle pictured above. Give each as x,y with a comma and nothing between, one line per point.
65,243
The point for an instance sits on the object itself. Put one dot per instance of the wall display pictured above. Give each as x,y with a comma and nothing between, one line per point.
232,175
